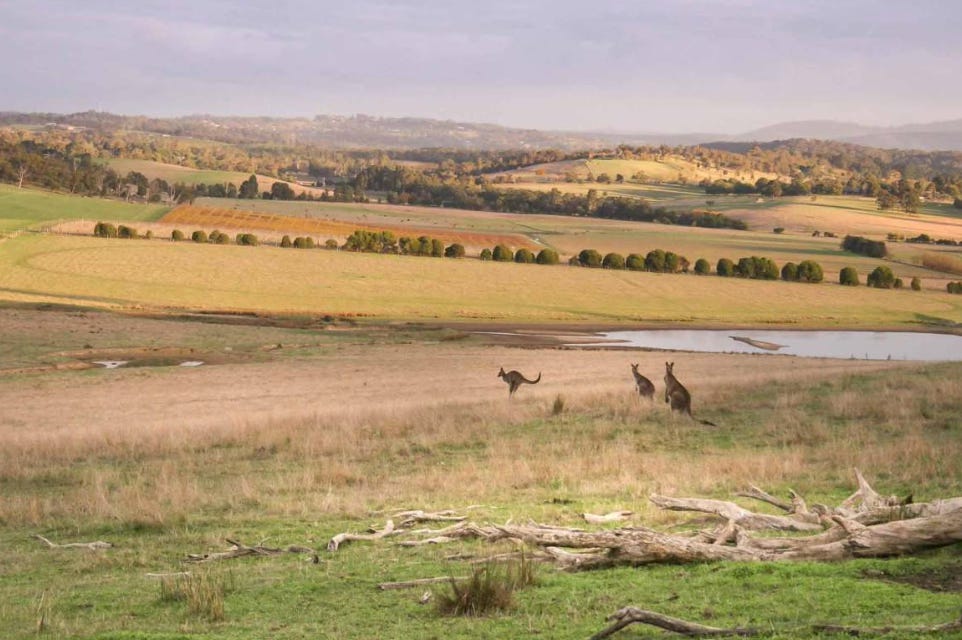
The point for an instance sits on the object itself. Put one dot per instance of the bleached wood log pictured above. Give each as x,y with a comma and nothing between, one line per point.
742,517
632,615
341,538
91,546
758,494
613,516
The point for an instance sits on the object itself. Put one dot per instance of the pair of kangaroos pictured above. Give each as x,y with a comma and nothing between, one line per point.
676,395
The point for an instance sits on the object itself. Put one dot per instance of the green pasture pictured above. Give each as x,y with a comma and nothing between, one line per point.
23,209
175,173
165,275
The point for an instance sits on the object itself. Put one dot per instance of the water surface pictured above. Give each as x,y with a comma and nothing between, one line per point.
861,345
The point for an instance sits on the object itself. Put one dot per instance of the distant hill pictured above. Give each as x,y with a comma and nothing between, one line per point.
933,136
371,132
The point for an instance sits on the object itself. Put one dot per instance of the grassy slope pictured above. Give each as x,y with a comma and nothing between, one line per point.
162,274
162,496
188,175
29,208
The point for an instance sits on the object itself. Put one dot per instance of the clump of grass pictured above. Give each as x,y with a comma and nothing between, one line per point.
942,262
559,405
202,592
490,589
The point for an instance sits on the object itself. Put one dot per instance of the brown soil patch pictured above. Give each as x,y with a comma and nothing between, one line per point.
946,578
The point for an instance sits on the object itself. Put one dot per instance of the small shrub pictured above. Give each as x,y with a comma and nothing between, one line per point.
725,268
149,235
916,284
898,284
702,267
954,287
123,231
524,256
547,256
105,230
485,254
177,235
635,262
286,242
881,278
864,246
790,272
613,261
809,271
199,236
778,230
301,242
247,239
219,238
502,254
589,258
848,276
330,243
454,251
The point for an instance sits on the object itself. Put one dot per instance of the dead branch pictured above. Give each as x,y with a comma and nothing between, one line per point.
742,517
758,494
91,546
240,550
410,584
408,518
341,538
632,615
614,516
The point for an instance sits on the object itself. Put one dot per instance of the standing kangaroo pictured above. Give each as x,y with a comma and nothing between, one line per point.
514,380
645,387
677,395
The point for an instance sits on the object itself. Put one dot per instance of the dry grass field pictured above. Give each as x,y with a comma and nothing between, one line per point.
164,275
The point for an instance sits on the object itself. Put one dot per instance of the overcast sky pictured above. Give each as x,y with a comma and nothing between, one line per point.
722,66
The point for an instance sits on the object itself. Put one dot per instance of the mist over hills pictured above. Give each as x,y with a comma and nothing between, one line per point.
363,131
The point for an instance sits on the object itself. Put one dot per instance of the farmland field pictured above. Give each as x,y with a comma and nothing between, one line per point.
167,275
22,209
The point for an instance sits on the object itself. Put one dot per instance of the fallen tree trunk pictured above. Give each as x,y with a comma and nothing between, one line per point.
633,615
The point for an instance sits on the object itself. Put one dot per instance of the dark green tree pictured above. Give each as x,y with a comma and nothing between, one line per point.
881,278
702,267
249,189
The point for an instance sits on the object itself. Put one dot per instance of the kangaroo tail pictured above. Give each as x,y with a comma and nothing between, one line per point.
536,380
710,424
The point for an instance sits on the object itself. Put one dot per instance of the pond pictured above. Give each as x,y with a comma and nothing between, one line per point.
867,345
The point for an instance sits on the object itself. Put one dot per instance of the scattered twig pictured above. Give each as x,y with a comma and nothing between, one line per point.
240,550
410,584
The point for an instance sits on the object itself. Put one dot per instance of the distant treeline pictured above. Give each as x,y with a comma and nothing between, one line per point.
406,186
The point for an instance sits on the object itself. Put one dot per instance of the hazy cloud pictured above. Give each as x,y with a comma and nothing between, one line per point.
666,65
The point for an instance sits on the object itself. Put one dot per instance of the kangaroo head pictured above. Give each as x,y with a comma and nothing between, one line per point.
669,366
501,373
634,368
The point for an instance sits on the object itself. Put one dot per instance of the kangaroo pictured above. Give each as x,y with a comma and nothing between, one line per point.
514,380
677,395
645,387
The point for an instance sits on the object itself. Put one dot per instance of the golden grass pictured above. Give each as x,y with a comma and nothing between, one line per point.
942,262
165,275
371,428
